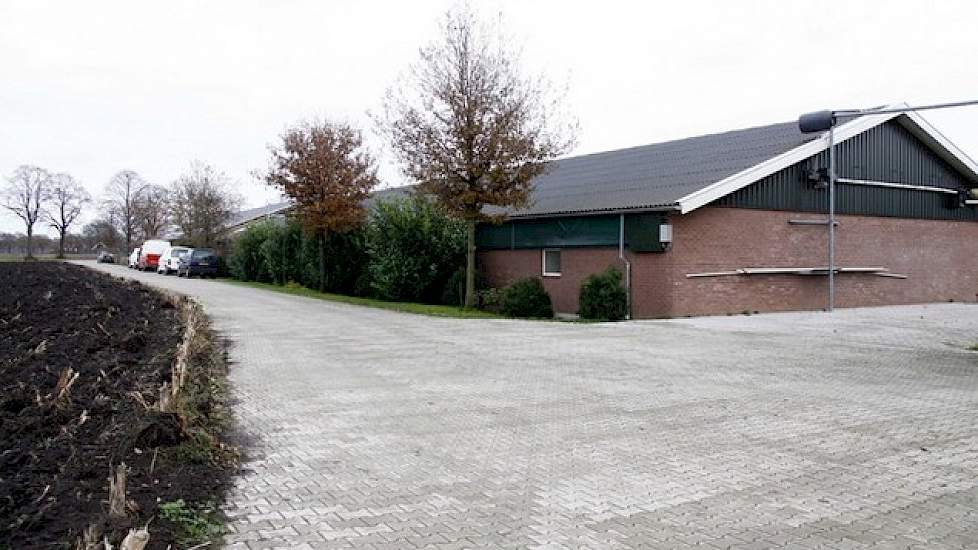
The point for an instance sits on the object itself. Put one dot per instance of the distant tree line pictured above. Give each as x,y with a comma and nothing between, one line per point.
15,244
195,208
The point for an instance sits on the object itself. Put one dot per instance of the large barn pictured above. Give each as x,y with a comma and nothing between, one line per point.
735,222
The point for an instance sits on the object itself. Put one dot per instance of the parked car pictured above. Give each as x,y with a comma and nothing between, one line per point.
170,260
149,254
105,257
198,261
134,258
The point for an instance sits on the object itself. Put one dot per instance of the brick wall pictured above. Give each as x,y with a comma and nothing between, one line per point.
502,267
939,257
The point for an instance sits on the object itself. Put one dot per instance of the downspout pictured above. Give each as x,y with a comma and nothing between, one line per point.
628,267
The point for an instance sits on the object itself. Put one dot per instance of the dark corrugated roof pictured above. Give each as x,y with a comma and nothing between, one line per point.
245,216
388,194
657,175
648,176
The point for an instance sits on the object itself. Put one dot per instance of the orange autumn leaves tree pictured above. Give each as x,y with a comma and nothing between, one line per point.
328,173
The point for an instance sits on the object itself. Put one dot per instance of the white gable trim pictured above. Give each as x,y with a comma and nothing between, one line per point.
746,177
921,128
926,132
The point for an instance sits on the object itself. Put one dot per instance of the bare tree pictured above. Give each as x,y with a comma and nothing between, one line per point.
153,210
65,202
121,203
202,203
325,168
24,196
471,128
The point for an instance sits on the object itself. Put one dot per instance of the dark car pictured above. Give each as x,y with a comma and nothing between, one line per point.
105,257
198,261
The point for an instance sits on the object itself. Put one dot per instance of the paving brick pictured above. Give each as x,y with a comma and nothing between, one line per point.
372,429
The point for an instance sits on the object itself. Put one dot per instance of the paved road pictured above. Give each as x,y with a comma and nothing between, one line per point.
374,429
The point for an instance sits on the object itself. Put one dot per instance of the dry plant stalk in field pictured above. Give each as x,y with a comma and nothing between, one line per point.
166,398
137,539
179,375
117,492
89,539
169,392
67,378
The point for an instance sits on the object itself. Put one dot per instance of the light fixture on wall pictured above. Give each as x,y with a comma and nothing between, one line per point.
665,234
825,121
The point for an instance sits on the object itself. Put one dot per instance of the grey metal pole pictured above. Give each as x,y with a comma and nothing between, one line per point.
628,266
820,120
831,218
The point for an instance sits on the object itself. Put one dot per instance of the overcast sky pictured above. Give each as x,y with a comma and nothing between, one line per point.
91,88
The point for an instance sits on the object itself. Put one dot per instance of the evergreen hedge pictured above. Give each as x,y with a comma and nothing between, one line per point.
603,298
407,250
413,249
527,298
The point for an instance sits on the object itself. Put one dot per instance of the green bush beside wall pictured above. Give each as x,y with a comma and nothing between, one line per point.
413,249
603,298
527,298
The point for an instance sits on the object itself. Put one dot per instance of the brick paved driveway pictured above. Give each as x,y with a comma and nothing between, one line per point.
374,429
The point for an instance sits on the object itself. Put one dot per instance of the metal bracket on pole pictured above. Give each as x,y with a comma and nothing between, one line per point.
821,121
811,222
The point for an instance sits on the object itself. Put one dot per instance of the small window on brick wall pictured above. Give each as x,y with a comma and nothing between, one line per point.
551,262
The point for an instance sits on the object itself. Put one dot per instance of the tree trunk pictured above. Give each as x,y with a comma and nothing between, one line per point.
322,262
30,243
61,244
470,298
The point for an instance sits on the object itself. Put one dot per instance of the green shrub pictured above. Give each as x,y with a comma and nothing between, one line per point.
346,263
247,262
413,248
527,298
280,252
603,298
200,448
409,250
195,525
490,299
454,292
277,252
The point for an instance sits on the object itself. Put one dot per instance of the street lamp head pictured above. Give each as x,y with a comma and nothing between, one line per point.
819,121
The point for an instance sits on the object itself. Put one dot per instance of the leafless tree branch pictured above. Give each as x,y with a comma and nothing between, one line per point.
66,200
24,196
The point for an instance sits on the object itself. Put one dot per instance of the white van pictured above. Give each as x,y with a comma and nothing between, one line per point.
149,254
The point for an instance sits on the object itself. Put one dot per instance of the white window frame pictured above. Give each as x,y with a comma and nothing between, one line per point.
543,262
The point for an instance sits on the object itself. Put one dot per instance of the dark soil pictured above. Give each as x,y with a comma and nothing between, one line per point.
54,466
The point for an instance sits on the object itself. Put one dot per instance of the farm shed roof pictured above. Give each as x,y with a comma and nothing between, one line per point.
688,173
